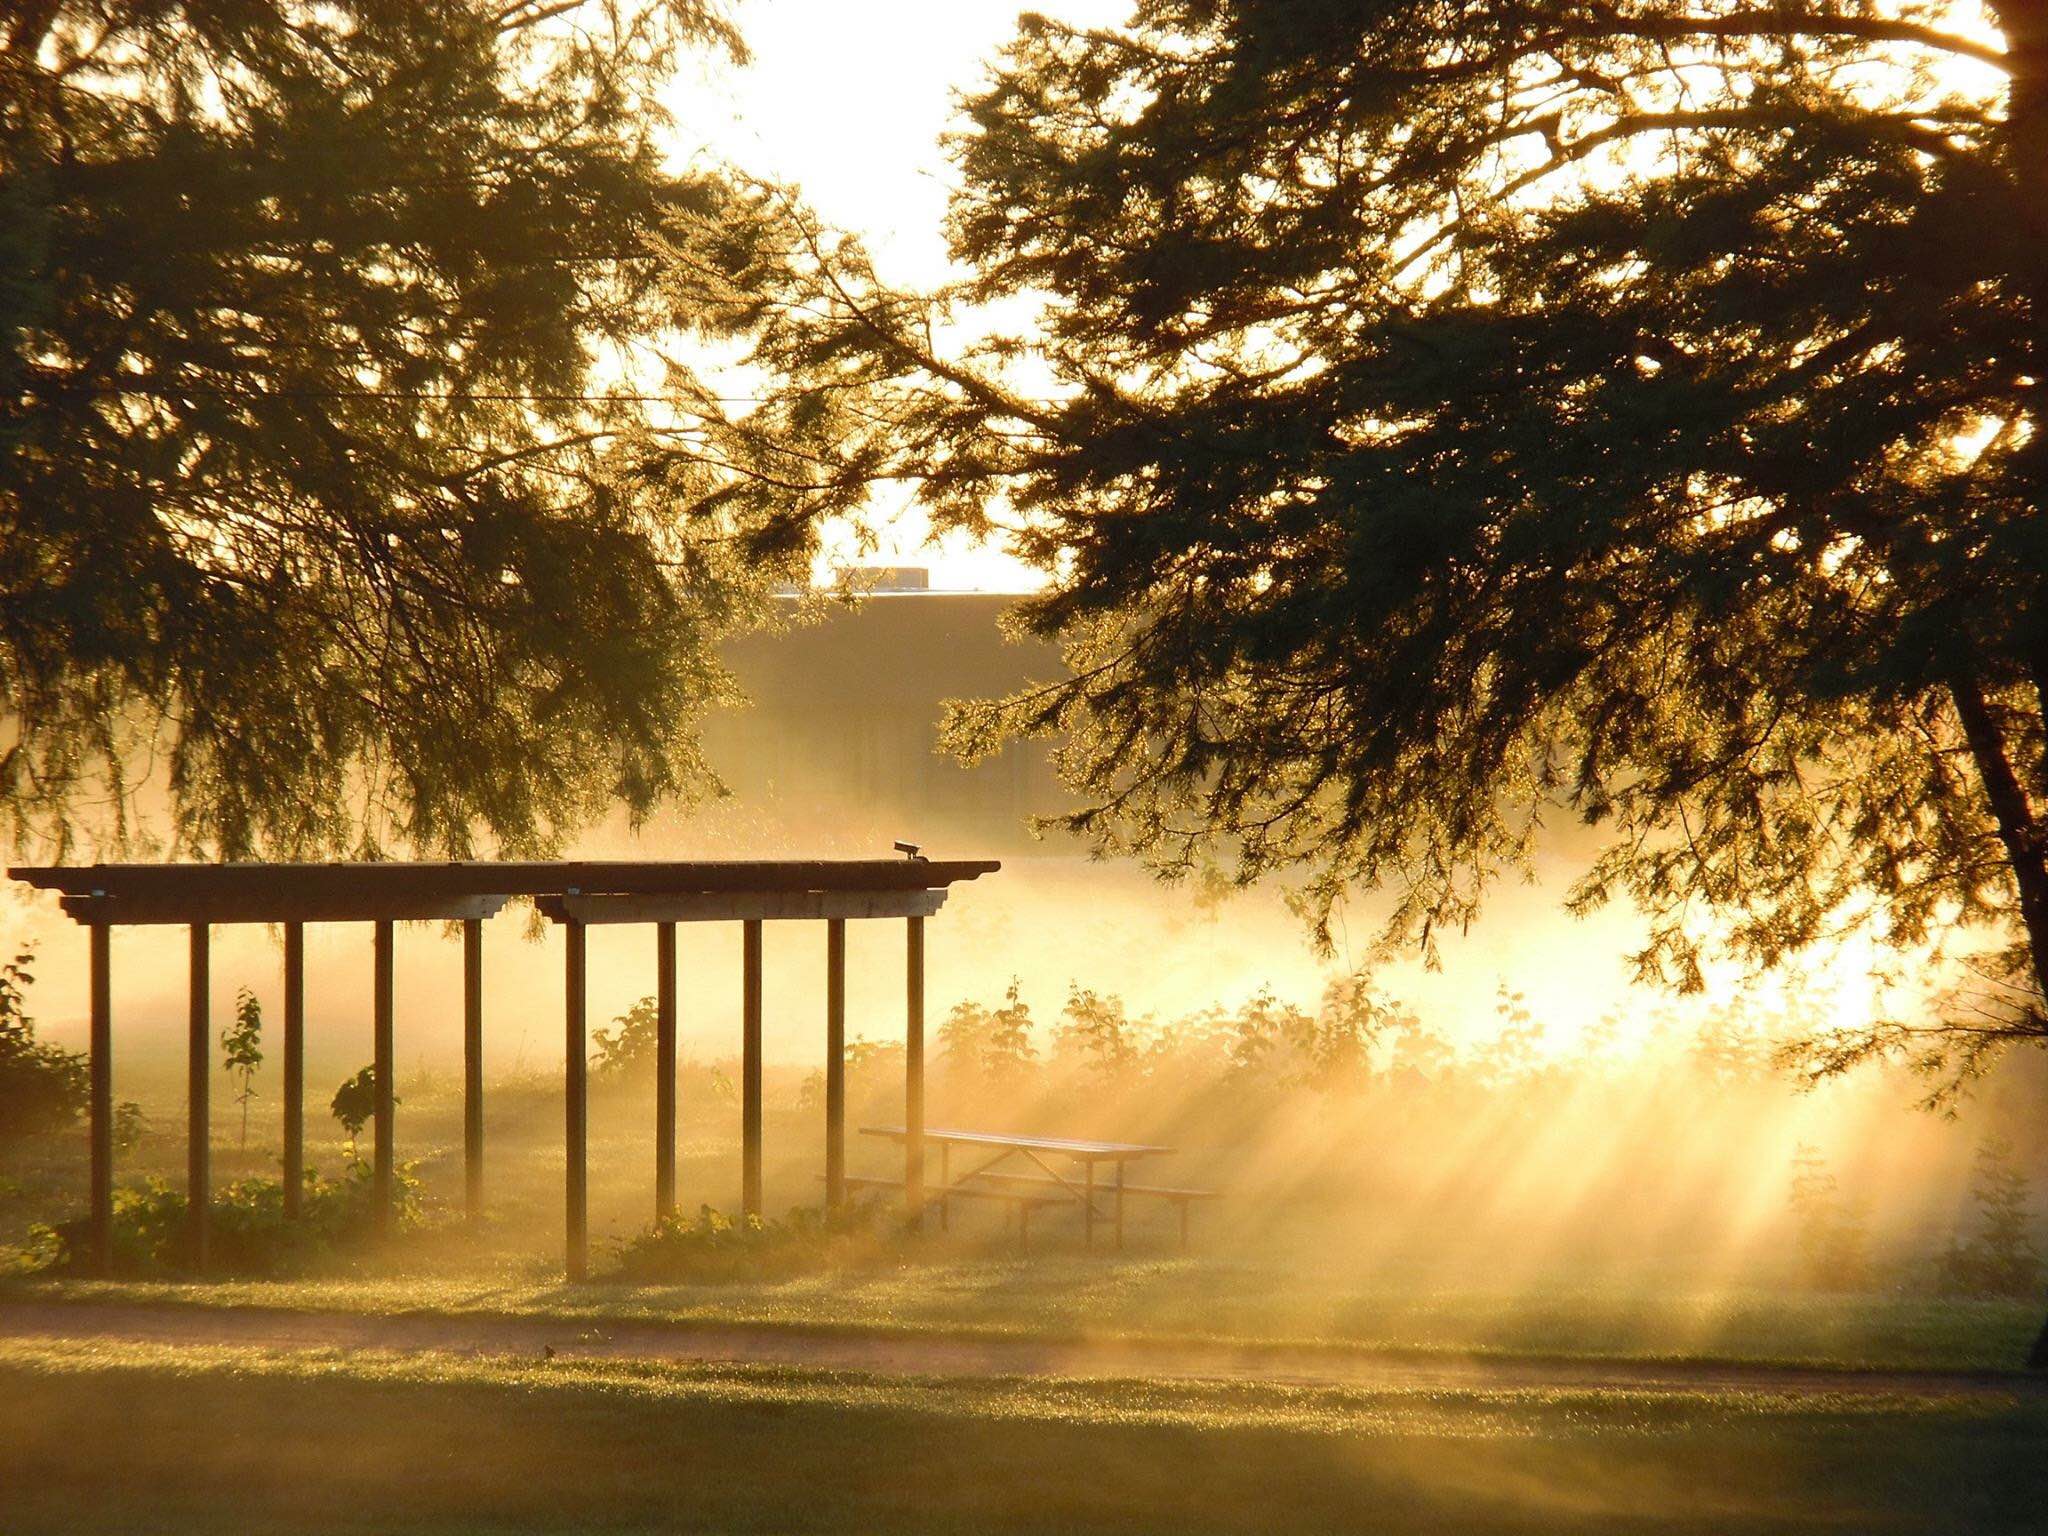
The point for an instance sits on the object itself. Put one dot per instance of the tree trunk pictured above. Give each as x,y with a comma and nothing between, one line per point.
2026,850
2021,833
2025,25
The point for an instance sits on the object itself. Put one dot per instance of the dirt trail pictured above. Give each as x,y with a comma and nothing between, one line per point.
939,1355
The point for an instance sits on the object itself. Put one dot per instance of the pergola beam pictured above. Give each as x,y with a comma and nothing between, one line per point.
198,1103
913,1073
380,888
576,1106
664,1071
153,910
102,1101
294,1067
835,1063
750,1069
473,1068
742,906
384,1066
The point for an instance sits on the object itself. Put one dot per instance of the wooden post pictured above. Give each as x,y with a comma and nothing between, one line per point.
835,1063
294,1069
913,1075
664,1071
102,1113
575,1138
198,1104
945,1184
473,1068
383,1168
1088,1209
750,1070
1120,1205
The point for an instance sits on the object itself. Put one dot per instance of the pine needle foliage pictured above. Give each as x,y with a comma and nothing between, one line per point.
330,517
1438,420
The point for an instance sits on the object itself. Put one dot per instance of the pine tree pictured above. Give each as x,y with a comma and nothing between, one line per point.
2000,1258
1436,419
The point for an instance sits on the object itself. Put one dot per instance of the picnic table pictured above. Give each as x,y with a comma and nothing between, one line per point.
1048,1186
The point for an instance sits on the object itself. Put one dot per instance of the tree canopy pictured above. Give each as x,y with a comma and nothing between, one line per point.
330,517
1433,418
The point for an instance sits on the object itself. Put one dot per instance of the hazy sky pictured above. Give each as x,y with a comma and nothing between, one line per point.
848,102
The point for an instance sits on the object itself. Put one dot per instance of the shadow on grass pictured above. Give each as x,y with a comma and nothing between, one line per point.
185,1445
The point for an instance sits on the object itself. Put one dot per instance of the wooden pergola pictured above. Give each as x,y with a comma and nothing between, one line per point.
575,895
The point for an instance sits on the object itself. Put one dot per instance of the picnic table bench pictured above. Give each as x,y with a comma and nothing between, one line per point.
1048,1186
1021,1202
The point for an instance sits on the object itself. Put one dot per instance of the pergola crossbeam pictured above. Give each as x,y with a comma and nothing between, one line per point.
742,906
198,1102
151,910
383,885
294,1068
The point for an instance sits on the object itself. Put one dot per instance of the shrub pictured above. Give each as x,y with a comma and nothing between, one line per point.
42,1088
992,1044
355,1101
1095,1031
1833,1231
712,1246
2000,1259
1515,1053
631,1048
247,1233
130,1125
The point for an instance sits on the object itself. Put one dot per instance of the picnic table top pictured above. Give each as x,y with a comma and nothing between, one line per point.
1086,1151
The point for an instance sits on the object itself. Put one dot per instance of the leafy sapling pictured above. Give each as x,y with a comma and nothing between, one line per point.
241,1045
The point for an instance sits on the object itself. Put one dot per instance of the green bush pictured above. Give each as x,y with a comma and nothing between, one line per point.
1832,1229
355,1105
248,1235
42,1088
2000,1257
716,1247
130,1125
629,1050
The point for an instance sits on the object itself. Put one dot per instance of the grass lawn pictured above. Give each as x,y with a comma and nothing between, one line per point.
1206,1298
152,1439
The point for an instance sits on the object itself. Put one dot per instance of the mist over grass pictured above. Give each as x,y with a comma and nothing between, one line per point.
1358,1152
